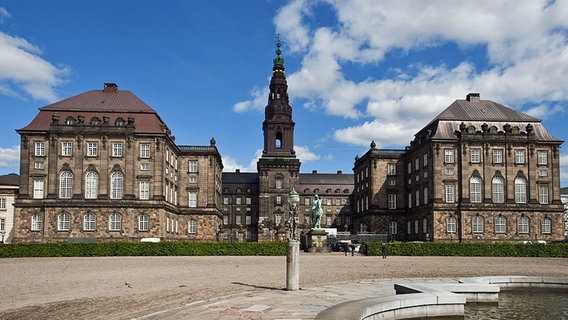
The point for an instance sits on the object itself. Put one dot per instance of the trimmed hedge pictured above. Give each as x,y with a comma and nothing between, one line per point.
559,250
166,248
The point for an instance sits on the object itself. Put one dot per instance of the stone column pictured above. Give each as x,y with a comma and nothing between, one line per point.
293,265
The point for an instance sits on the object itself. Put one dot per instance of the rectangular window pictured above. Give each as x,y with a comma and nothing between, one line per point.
450,171
425,195
37,224
117,149
542,157
38,189
417,200
248,200
545,227
306,201
409,167
39,149
391,169
523,225
145,150
497,155
475,155
91,149
500,224
416,163
225,219
39,165
2,224
278,200
449,155
225,200
451,225
450,193
144,190
410,200
66,148
477,224
193,165
392,201
337,202
543,173
2,203
192,226
192,199
519,156
238,200
425,160
248,220
543,193
144,166
192,179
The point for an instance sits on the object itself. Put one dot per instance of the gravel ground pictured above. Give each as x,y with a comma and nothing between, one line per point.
115,287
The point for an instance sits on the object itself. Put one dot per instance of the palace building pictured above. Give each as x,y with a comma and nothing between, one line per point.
103,166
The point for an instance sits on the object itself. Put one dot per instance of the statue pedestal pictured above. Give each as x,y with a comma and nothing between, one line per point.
317,241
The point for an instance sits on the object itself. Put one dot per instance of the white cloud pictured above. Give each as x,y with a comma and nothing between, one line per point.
304,154
230,164
260,97
10,159
544,111
564,170
22,68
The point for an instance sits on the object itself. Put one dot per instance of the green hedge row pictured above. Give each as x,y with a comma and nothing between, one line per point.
165,248
469,249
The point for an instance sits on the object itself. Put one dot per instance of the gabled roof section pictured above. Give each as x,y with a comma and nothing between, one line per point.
474,109
11,179
101,101
240,177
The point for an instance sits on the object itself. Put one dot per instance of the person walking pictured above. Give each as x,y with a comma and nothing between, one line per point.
384,250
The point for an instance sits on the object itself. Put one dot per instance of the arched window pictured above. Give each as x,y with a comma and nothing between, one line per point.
89,221
475,189
546,226
500,224
520,190
91,185
477,224
278,140
114,222
69,121
279,182
523,224
393,227
451,225
66,185
493,130
116,180
238,190
192,226
143,220
95,121
37,222
63,222
119,122
498,190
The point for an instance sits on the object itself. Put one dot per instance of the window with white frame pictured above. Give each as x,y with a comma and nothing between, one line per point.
226,200
393,227
498,189
449,155
63,222
114,222
37,222
143,222
248,200
193,199
425,195
500,224
450,193
450,171
337,201
116,182
145,150
225,219
39,165
117,150
91,149
416,163
425,160
543,173
192,226
520,190
392,200
2,224
546,226
2,203
497,155
278,200
523,224
192,179
238,219
39,149
91,185
451,225
65,185
409,167
475,155
477,224
144,166
144,190
193,166
475,189
519,156
38,189
328,202
391,169
279,183
66,149
89,221
543,193
417,198
238,200
248,220
542,157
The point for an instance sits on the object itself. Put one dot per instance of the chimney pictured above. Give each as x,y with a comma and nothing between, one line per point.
237,170
471,97
110,87
339,172
314,171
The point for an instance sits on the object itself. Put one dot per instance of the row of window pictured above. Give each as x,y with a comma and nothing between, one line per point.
90,222
497,191
497,156
500,225
95,121
92,149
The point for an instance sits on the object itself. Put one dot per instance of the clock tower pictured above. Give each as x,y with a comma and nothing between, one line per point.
278,168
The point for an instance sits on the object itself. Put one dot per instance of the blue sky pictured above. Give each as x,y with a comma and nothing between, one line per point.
357,70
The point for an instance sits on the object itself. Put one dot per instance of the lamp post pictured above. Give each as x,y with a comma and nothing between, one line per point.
293,247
